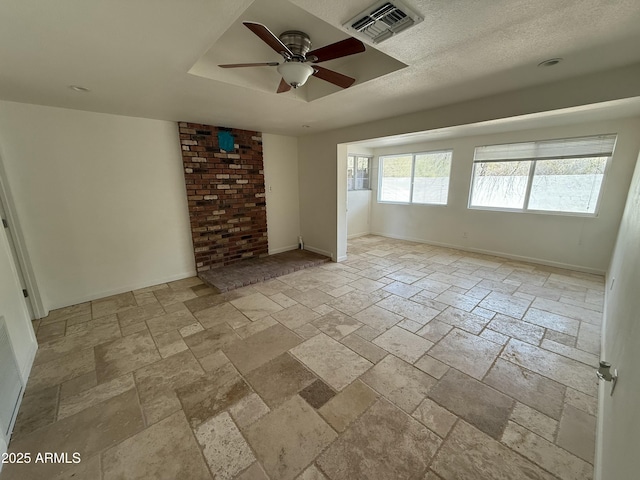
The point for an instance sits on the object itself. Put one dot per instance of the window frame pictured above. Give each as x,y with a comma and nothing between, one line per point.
413,156
355,157
530,177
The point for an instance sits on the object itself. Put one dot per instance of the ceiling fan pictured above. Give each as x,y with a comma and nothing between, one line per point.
300,63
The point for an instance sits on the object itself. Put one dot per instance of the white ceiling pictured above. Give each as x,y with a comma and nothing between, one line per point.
135,56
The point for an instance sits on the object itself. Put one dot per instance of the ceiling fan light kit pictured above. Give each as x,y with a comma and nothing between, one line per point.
300,63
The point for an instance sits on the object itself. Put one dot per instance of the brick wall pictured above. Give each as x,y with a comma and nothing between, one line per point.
226,195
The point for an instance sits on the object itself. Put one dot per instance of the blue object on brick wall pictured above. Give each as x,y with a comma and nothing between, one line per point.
225,141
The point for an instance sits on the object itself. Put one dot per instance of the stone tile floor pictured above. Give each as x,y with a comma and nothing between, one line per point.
407,361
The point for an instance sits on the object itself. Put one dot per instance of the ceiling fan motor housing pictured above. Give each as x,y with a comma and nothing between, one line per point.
298,42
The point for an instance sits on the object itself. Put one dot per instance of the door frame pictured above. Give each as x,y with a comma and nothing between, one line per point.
34,300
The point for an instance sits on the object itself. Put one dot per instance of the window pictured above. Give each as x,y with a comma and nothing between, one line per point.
415,178
561,176
358,168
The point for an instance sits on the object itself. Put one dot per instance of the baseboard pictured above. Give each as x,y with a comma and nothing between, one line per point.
26,369
319,250
283,249
342,258
522,258
124,289
356,235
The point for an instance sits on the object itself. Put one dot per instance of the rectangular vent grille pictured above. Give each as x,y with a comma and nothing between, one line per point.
382,21
10,381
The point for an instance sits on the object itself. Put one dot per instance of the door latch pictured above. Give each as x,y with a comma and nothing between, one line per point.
604,373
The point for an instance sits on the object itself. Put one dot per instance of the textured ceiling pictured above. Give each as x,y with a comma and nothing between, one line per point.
135,56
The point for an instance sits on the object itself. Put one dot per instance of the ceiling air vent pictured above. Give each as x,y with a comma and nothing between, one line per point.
382,21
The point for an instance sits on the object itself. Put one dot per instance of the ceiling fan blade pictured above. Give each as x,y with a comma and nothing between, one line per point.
239,65
283,87
269,38
344,48
333,77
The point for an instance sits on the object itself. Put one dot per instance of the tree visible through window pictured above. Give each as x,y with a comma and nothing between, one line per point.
358,170
563,176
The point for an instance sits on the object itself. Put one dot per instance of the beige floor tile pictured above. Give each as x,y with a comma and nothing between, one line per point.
494,337
177,317
59,347
331,361
561,369
312,473
289,438
295,316
336,324
88,468
589,338
317,394
408,309
354,302
200,303
532,389
480,405
434,417
93,396
468,353
282,300
114,304
535,421
224,449
311,298
544,453
399,382
213,361
211,394
169,296
91,325
431,366
212,339
279,379
37,410
124,355
559,308
254,472
87,433
432,285
139,314
256,306
348,405
248,410
571,352
466,321
382,444
255,327
378,318
166,450
402,289
50,331
221,313
581,401
190,329
62,369
81,309
517,329
434,330
561,338
470,454
577,433
364,348
457,300
506,304
553,321
403,344
78,384
258,349
407,275
465,282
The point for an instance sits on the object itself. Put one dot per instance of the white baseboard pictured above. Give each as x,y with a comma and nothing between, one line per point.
356,235
123,289
342,258
283,249
522,258
320,251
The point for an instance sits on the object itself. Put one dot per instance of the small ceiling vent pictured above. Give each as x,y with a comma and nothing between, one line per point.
382,21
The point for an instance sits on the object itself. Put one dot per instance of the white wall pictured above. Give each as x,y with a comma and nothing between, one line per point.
281,182
100,198
618,420
322,213
584,243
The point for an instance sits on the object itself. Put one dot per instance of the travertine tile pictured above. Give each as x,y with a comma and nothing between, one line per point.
212,339
337,325
577,433
213,361
307,331
170,343
432,285
59,347
164,450
125,355
466,321
61,314
402,289
553,321
559,308
581,401
295,316
312,473
254,472
457,300
408,309
90,325
589,338
169,296
571,352
177,316
536,391
211,394
191,329
317,394
535,421
468,353
378,318
465,282
517,329
93,396
347,405
407,275
87,433
309,298
368,333
433,367
364,348
224,449
256,306
384,443
355,302
258,349
255,327
287,439
87,468
434,330
50,331
36,411
248,410
282,300
139,314
366,285
279,379
494,337
113,304
403,344
78,384
331,361
563,338
506,304
482,406
564,370
60,370
399,382
546,454
470,454
434,417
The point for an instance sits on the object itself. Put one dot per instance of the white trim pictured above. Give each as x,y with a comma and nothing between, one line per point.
356,235
320,251
124,289
283,249
343,258
522,258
